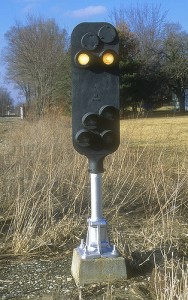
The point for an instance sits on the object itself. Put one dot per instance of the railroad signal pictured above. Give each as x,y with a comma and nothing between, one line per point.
95,91
96,133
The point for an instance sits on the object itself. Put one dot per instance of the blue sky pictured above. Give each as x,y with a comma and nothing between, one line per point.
69,13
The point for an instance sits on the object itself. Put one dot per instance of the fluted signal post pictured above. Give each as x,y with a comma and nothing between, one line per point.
95,120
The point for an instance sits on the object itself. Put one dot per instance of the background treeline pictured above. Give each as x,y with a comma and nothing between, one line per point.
153,60
6,102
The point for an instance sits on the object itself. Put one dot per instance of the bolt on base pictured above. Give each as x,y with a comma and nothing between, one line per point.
97,243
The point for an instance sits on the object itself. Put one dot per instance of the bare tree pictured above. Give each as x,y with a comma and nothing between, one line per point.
161,58
174,57
141,33
35,54
147,22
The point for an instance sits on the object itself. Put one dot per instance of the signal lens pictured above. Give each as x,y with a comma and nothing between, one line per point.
108,58
107,33
108,137
109,112
84,138
90,121
83,59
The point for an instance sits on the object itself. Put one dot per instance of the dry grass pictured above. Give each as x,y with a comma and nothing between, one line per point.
45,193
41,188
171,281
165,132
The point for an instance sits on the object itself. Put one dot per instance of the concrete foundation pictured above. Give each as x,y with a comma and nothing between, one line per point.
97,270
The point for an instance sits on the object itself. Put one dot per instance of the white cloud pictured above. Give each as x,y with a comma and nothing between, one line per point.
32,1
28,1
55,9
28,8
29,5
87,11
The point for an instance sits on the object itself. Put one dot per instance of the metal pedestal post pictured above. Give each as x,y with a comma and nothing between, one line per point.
97,243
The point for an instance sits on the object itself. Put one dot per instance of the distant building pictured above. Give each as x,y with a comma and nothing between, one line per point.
175,100
186,99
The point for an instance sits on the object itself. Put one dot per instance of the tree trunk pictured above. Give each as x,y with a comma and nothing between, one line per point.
181,98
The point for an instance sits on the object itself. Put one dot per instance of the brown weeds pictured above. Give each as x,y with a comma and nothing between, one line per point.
45,193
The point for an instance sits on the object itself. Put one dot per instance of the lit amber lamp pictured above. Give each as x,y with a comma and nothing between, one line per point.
83,59
108,58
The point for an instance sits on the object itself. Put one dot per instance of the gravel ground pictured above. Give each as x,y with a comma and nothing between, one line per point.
49,278
41,278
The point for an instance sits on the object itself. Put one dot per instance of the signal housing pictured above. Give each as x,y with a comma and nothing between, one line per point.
95,91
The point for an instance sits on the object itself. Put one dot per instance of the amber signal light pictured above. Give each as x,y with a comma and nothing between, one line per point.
84,59
108,58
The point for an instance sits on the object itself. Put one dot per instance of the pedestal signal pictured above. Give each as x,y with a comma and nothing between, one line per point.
96,133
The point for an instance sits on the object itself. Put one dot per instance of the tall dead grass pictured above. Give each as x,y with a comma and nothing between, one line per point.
171,280
42,190
45,190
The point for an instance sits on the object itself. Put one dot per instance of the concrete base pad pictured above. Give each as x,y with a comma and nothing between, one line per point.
97,270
